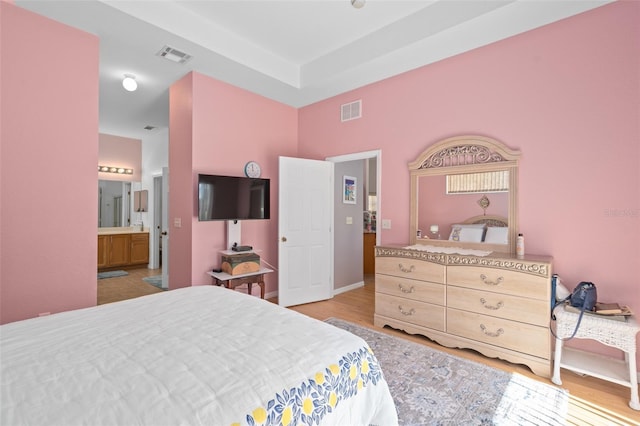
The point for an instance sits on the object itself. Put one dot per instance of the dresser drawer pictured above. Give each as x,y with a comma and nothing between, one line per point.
532,311
411,289
500,280
410,268
411,311
525,338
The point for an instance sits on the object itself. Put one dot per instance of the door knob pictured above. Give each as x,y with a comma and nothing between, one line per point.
164,233
284,239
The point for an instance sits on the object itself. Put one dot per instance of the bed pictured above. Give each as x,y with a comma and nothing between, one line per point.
195,356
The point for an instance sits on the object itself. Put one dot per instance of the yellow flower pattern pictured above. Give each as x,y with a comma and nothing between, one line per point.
316,397
260,415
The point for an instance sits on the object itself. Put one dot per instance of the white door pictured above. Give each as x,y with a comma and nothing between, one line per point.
165,227
305,227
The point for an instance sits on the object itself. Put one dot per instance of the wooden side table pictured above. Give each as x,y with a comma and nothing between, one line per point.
233,281
611,332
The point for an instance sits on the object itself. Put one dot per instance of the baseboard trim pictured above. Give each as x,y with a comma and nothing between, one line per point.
349,287
336,291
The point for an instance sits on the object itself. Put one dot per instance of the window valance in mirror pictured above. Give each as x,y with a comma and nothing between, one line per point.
474,183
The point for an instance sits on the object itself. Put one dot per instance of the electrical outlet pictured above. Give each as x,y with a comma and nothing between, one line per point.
349,220
177,222
386,223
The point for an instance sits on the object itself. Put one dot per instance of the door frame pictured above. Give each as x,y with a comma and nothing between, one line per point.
365,155
154,229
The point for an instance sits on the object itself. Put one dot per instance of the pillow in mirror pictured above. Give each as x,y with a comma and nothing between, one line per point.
457,227
497,235
467,234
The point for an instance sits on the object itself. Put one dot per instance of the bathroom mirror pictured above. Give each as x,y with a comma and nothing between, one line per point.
114,204
490,198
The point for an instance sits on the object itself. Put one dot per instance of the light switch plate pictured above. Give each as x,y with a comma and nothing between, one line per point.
386,223
349,220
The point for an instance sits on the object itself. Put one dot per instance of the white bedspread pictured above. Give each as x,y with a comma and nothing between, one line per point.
195,356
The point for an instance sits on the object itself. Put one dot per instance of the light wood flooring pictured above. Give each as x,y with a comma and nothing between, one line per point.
593,401
127,287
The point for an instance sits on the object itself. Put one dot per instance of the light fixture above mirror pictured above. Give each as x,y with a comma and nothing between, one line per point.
113,169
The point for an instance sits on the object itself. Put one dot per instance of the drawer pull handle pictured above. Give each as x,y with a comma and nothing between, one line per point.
404,290
484,279
493,308
406,313
407,270
489,333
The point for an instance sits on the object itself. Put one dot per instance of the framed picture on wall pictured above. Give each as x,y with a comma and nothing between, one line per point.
349,186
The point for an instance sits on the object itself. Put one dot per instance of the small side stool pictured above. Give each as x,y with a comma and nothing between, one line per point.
608,331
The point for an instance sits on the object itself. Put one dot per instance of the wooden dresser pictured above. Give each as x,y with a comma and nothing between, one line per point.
498,305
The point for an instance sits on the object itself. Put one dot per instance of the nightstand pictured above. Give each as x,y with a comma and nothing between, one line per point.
233,281
608,331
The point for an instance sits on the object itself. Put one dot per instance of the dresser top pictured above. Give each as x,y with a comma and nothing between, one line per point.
531,264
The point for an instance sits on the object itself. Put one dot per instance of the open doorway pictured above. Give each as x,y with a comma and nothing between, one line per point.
159,231
349,252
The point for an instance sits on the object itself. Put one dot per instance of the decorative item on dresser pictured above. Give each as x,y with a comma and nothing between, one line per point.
495,304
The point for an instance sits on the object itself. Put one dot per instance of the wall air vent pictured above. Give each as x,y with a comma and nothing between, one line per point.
351,111
174,55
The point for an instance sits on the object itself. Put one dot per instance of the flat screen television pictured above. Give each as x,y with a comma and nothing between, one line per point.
232,198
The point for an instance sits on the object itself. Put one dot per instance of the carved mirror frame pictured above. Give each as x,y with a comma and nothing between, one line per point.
466,154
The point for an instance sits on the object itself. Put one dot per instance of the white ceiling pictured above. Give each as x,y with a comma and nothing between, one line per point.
293,51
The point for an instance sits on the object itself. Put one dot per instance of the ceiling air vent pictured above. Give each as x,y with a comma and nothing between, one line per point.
351,111
174,55
149,127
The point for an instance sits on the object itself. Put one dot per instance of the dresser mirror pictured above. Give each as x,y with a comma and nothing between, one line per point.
464,194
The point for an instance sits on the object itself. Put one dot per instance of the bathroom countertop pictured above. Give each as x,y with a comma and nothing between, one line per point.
122,230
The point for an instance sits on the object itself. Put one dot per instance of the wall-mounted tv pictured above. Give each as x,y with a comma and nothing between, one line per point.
232,198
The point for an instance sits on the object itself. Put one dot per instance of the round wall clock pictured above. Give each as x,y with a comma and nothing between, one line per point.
252,169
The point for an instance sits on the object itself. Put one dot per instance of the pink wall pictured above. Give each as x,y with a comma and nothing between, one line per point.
228,126
122,152
567,95
48,165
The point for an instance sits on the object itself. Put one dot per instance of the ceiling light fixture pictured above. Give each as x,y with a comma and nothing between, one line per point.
358,4
129,83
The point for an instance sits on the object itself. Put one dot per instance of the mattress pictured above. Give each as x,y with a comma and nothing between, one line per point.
201,355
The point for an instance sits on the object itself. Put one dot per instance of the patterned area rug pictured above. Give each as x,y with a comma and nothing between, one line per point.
431,387
155,281
111,274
